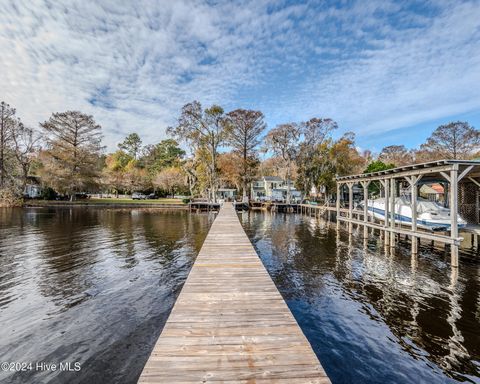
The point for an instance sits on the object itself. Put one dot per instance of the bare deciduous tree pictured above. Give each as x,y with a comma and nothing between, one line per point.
26,143
456,140
396,154
283,141
244,130
7,121
203,129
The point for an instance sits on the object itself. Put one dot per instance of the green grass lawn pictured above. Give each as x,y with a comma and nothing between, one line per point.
105,201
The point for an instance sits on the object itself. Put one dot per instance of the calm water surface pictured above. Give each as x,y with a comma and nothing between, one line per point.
93,286
373,317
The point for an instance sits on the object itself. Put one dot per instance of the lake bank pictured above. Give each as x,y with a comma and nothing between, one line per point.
109,203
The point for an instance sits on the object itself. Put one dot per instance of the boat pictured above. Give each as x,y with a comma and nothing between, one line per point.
430,215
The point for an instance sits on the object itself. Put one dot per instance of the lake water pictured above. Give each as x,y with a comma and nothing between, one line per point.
95,286
373,317
92,286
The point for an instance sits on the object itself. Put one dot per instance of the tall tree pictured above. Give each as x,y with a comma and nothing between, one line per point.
189,167
396,154
167,153
345,157
456,140
203,129
283,141
269,167
376,166
315,132
132,145
244,130
114,172
318,171
135,177
332,158
170,180
25,142
231,173
73,150
7,121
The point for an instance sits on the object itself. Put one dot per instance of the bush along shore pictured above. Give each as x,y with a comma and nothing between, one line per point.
9,199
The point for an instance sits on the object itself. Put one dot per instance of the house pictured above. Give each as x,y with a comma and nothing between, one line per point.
273,188
433,192
228,194
33,189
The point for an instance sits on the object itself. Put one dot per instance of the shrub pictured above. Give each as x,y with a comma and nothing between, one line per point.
9,198
48,194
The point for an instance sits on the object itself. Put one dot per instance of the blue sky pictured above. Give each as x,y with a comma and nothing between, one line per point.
390,71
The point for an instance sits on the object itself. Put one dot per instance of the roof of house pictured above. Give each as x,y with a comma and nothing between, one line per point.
428,190
437,187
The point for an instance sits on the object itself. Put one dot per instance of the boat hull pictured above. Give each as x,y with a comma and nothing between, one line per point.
403,216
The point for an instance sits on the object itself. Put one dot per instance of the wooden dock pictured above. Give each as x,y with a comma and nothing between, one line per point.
230,324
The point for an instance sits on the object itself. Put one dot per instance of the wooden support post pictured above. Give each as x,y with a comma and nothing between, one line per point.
338,205
350,206
414,262
386,186
392,212
365,185
350,200
413,206
454,212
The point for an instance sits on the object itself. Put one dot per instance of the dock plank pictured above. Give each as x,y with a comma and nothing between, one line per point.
230,324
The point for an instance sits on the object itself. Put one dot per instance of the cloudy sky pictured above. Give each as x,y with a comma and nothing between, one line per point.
390,71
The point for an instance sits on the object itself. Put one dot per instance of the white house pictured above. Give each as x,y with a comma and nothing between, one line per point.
33,189
273,188
226,193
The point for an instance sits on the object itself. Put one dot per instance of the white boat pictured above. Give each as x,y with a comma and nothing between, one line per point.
430,215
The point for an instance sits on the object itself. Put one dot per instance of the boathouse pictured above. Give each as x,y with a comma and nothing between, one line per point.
461,181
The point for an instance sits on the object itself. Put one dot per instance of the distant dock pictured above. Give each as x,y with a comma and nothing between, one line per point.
203,206
230,323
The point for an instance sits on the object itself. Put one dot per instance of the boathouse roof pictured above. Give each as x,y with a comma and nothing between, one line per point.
431,169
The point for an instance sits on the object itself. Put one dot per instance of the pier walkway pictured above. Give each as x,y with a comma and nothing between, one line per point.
230,324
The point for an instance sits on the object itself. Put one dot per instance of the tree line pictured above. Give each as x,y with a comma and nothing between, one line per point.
223,149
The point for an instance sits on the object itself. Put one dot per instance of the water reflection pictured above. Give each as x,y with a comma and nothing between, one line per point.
90,285
373,313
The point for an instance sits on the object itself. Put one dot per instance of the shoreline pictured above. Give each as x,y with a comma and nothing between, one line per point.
107,203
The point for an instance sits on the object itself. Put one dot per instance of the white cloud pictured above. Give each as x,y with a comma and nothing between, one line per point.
372,66
410,76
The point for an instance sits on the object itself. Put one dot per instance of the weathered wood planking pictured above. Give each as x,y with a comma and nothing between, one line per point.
230,323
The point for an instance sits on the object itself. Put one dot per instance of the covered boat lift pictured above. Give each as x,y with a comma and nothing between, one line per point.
462,176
